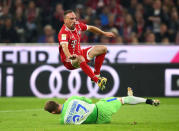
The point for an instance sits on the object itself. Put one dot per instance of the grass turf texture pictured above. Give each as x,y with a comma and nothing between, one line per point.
26,114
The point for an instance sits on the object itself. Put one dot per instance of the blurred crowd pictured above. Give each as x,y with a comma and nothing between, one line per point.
133,21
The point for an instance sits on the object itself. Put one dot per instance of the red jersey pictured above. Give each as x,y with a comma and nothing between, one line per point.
72,38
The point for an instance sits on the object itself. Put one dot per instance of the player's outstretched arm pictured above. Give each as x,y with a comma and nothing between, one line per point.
99,31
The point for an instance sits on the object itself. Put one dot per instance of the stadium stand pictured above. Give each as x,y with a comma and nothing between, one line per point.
133,21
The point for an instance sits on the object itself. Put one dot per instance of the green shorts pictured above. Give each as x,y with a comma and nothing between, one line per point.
106,108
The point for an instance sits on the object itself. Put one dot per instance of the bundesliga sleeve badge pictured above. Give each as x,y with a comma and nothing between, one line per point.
63,37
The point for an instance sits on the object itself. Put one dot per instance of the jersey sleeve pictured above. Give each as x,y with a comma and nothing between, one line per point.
63,38
83,26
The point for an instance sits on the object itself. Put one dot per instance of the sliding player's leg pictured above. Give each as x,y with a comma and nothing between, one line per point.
130,99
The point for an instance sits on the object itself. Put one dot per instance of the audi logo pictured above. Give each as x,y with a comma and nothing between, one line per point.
74,89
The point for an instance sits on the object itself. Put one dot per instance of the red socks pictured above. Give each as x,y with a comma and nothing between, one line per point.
98,63
88,71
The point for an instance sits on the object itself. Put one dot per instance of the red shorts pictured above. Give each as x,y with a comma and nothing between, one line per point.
85,52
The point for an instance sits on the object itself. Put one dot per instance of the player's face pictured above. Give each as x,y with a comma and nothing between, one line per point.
70,20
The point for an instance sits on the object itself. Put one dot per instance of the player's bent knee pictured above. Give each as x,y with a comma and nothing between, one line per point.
104,49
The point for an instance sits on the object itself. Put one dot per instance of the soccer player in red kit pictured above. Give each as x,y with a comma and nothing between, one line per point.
73,56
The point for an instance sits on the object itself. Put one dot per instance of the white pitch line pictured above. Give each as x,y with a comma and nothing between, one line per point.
28,110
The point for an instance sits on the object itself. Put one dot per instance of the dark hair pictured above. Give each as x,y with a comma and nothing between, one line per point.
68,11
51,106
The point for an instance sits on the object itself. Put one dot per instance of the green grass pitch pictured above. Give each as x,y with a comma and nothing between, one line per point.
27,114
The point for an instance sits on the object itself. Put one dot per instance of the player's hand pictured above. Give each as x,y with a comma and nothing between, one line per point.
109,34
72,57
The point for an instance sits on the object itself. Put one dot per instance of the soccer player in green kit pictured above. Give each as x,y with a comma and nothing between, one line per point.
81,110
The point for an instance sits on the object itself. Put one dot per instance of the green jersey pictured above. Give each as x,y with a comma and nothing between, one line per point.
81,110
78,110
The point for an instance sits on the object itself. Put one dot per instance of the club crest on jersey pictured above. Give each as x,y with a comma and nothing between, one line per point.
64,37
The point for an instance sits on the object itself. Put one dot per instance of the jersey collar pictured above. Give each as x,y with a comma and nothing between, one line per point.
69,29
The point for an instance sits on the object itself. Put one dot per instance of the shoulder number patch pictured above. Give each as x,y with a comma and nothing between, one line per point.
63,37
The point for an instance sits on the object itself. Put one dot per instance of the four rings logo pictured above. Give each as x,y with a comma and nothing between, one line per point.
74,89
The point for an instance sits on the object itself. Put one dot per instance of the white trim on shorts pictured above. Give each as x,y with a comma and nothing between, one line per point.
87,56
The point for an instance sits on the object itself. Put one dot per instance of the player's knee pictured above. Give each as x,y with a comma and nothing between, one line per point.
104,48
80,59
